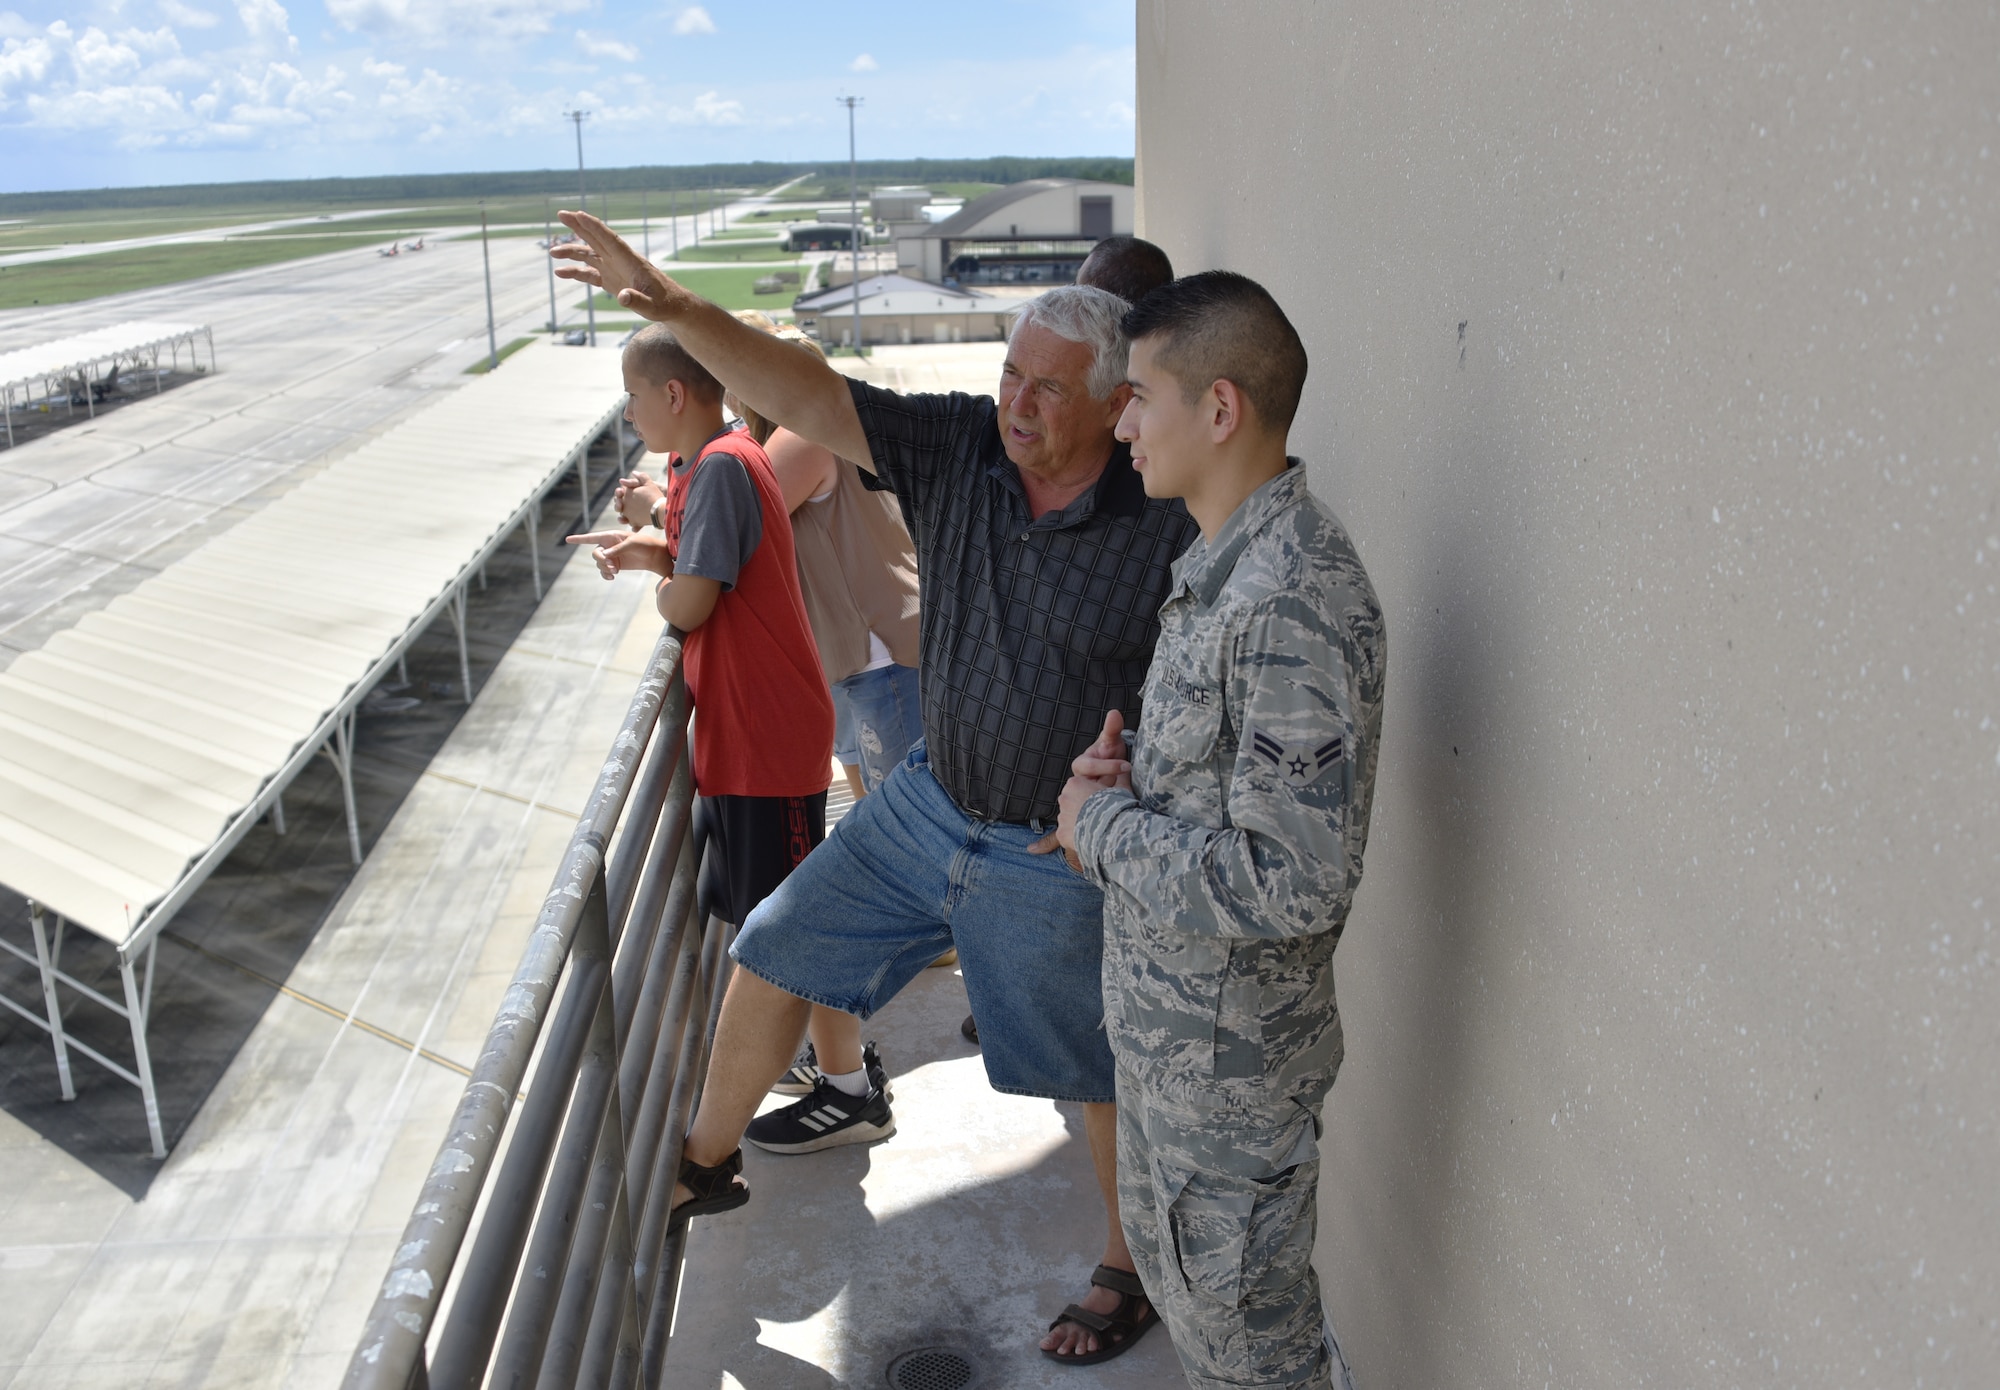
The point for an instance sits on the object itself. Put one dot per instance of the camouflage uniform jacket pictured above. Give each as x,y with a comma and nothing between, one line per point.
1229,868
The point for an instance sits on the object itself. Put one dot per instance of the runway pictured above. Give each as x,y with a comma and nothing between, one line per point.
315,356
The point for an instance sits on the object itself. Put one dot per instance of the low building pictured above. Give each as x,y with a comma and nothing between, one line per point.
823,236
898,202
1036,232
898,309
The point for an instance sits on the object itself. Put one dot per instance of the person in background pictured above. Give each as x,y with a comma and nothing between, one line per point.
1229,844
858,567
1126,266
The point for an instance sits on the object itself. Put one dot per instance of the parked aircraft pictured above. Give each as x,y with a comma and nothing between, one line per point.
416,245
392,249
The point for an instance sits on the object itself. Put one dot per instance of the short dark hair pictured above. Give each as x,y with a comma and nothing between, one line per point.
1126,266
1219,325
657,355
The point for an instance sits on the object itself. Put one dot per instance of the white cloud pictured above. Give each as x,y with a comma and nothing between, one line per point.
24,61
693,20
457,23
266,22
187,16
603,46
864,63
710,108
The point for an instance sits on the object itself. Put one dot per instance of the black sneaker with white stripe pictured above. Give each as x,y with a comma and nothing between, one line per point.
825,1119
805,1073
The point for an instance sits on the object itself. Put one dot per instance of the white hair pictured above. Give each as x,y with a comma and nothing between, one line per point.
1086,315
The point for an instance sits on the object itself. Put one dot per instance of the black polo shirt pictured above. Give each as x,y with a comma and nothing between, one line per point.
1032,627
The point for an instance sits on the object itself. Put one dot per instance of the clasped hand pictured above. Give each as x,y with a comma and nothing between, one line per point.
636,549
1100,767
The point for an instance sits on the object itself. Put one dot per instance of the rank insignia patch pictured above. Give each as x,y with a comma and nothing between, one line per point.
1297,763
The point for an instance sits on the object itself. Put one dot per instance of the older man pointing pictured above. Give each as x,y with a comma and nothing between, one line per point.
1043,565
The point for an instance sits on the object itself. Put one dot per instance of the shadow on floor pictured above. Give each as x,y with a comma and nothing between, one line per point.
30,424
220,959
966,1231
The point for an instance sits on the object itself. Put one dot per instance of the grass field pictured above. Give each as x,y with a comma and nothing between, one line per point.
730,287
114,272
486,364
731,251
139,268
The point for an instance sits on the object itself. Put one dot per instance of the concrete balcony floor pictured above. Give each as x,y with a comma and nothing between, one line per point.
968,1229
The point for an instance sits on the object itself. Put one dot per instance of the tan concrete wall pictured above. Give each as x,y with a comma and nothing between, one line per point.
1656,368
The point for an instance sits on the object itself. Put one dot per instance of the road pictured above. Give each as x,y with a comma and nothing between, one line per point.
200,234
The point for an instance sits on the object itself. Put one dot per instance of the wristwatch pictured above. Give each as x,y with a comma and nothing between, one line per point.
653,512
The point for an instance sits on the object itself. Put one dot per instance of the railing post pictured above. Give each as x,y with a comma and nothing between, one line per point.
593,1119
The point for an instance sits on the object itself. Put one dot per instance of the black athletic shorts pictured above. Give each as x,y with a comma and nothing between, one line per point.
753,843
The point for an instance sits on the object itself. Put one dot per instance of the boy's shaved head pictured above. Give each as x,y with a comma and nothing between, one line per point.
1219,325
1126,266
657,355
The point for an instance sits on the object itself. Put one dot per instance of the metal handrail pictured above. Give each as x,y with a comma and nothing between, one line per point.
572,1275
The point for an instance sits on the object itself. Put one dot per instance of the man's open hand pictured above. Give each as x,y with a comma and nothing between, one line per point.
635,499
606,260
618,551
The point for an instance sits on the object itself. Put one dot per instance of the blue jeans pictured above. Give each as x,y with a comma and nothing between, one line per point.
877,720
906,874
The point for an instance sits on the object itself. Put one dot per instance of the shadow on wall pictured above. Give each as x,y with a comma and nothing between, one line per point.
1434,849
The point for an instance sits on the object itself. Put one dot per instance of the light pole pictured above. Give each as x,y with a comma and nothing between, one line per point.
674,213
853,217
486,259
583,200
549,244
645,225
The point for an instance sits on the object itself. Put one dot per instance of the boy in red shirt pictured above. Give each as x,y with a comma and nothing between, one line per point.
763,727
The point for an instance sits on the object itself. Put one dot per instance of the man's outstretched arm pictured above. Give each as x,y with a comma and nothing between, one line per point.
769,375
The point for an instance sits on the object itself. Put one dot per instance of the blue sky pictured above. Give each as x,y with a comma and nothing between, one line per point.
118,92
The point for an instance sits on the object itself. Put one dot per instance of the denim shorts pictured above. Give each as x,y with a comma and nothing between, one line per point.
877,720
906,874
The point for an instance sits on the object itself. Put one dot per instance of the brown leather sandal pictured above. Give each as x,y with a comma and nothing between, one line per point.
715,1189
1118,1324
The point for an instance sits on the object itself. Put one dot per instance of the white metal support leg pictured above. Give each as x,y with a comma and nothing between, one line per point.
46,959
534,537
482,576
458,622
278,814
583,481
403,668
341,750
136,1004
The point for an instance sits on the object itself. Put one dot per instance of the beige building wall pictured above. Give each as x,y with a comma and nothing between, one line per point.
1656,369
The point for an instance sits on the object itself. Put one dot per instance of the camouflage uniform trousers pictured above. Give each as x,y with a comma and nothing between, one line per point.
1220,1205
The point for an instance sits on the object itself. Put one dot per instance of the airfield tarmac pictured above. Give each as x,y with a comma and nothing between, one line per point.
315,356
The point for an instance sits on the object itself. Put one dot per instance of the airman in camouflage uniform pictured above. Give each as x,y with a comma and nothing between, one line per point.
1228,869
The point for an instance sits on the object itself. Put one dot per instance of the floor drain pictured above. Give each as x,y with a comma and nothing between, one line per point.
930,1368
